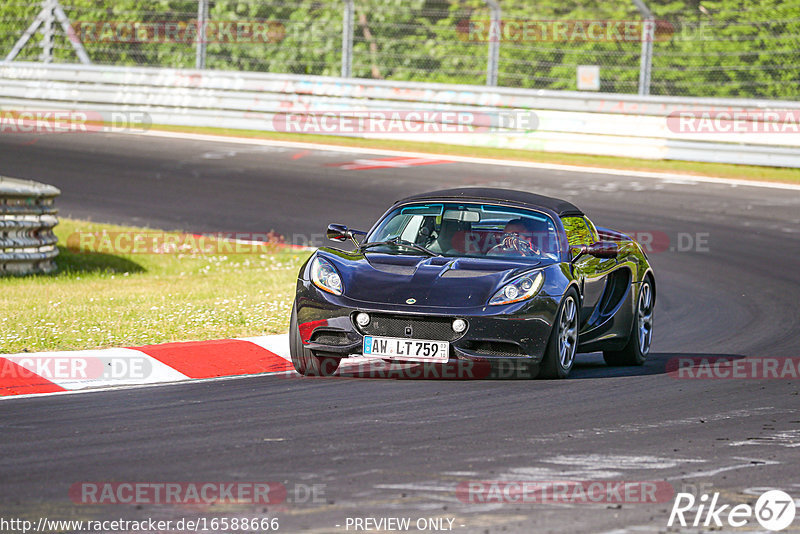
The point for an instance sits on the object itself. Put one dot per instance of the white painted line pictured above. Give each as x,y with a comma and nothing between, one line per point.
277,344
712,472
639,427
783,438
667,176
616,461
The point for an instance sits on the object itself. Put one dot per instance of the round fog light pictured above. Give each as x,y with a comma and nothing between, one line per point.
459,325
362,319
511,292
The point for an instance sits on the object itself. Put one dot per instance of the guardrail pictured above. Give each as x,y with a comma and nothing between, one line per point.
27,218
569,122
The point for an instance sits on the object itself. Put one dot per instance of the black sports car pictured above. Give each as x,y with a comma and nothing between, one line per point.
479,275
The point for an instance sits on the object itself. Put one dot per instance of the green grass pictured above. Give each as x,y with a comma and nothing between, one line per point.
104,298
718,170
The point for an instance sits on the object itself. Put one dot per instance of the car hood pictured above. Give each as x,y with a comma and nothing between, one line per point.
430,281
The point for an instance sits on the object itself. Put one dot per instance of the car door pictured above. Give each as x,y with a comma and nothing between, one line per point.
591,272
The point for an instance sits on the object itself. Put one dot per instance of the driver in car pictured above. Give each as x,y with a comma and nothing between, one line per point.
517,240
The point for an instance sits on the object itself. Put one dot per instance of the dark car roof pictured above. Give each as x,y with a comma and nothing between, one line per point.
560,207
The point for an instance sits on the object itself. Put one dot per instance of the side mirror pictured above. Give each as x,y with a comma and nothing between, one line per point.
340,232
601,249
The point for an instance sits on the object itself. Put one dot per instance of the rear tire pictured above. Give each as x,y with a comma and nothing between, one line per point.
559,356
635,352
305,361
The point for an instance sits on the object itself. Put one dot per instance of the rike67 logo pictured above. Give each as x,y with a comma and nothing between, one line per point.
774,510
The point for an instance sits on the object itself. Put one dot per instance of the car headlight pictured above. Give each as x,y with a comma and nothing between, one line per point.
520,289
325,277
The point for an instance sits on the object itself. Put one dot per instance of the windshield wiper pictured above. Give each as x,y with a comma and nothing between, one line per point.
397,242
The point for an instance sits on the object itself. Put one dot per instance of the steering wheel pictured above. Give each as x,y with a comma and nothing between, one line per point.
513,244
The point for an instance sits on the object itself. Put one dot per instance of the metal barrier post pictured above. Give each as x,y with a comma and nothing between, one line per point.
495,33
202,21
648,34
47,31
347,39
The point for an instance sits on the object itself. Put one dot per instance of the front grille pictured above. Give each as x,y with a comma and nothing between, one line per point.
494,348
389,325
330,338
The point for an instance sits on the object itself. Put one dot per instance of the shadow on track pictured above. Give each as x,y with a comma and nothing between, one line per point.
587,366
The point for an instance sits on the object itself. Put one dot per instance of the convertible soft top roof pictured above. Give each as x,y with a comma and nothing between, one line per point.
560,207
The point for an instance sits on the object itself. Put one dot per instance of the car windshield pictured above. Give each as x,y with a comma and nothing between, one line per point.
466,230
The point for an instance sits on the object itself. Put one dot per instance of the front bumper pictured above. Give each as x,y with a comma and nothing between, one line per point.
518,331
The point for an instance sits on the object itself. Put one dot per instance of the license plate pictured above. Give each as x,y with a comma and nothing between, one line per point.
406,349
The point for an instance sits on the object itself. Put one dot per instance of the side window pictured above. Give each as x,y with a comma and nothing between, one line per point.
394,226
579,231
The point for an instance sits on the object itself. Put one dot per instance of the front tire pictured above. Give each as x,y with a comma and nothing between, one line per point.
559,356
635,352
305,361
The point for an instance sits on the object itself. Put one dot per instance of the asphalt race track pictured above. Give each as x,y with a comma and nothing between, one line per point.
728,284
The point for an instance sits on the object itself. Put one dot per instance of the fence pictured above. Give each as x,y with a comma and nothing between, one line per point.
552,121
743,49
27,218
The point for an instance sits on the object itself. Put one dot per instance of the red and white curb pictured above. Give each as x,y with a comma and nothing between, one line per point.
39,373
388,163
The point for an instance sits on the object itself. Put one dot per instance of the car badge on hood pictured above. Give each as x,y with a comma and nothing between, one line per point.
411,301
